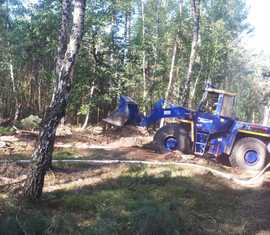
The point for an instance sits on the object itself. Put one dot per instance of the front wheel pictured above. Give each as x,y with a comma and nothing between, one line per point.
249,154
172,137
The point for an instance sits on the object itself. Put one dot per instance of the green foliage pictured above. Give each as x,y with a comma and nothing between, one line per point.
30,123
84,109
7,130
110,60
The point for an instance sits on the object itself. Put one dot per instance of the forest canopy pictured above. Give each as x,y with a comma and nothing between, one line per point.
130,47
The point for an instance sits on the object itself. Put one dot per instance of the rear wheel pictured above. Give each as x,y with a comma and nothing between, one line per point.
172,137
249,154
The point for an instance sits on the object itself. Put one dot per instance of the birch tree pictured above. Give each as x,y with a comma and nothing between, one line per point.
143,55
11,68
174,50
170,78
195,10
42,156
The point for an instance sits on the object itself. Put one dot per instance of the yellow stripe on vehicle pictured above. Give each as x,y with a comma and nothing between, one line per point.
254,133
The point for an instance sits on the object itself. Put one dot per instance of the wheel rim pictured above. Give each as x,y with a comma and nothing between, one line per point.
251,157
170,143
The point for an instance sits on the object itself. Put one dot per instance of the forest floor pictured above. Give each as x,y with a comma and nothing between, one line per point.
81,198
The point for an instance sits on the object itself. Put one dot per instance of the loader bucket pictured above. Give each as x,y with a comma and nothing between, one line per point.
126,113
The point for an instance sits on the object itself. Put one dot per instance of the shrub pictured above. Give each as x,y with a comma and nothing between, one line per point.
30,123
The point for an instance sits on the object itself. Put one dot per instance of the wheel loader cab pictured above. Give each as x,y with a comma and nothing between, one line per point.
214,117
217,102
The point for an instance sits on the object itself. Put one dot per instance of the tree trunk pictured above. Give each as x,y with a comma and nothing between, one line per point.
127,35
42,155
193,92
266,115
171,70
63,40
253,117
143,57
39,96
170,78
156,47
113,52
15,93
180,33
195,8
181,6
88,111
11,69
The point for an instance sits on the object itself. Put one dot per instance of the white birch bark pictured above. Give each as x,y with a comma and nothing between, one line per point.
143,57
88,111
170,78
42,155
266,115
15,93
195,9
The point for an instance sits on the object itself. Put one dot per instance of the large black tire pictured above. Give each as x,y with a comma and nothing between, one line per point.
242,148
172,130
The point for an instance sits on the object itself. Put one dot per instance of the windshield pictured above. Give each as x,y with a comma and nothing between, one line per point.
209,103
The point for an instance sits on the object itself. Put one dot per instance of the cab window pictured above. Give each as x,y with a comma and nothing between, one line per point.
228,106
209,105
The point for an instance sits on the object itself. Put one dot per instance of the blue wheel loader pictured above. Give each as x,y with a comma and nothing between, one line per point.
212,130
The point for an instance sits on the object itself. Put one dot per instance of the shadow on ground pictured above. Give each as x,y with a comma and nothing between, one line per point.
139,202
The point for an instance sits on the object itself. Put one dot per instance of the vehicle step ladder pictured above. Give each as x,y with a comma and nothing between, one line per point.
201,141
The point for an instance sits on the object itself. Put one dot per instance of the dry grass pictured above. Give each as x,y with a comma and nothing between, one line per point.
130,200
137,200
